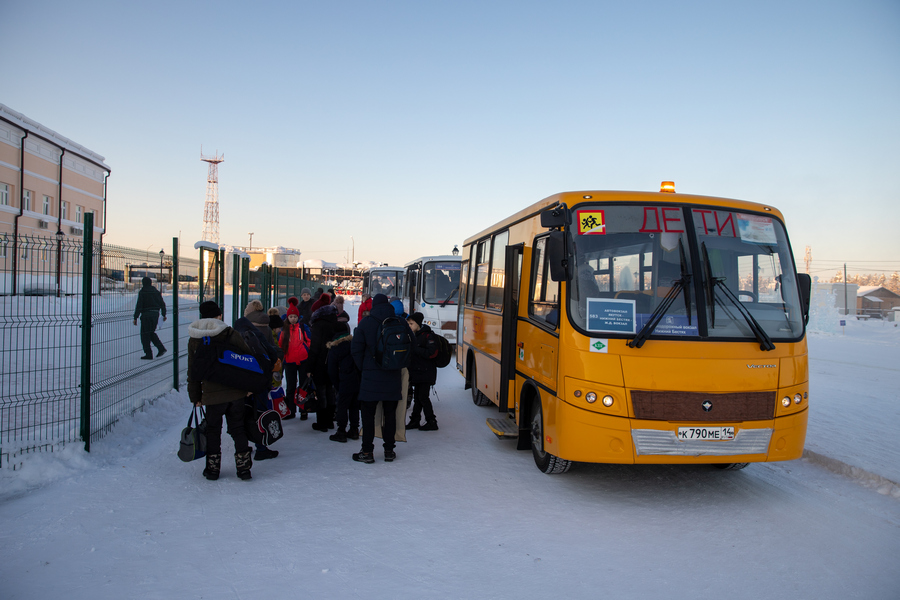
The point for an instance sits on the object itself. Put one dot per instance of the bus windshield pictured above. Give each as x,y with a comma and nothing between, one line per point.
643,270
389,283
441,283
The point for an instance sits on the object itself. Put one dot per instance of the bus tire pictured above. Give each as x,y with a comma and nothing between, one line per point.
730,466
546,462
477,397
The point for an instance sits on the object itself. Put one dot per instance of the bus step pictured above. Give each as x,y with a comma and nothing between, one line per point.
503,428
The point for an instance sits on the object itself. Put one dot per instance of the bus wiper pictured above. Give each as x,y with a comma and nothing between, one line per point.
678,286
449,296
765,342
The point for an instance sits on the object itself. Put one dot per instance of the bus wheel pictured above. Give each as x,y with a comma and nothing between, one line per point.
477,397
545,461
730,466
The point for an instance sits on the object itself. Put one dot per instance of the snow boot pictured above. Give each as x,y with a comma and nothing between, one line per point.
364,457
213,464
243,462
389,455
429,426
413,424
353,434
338,436
264,453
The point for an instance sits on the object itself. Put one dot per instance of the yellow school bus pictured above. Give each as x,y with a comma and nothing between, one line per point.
638,327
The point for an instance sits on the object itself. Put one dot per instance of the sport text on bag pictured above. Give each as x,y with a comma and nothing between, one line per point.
222,363
392,344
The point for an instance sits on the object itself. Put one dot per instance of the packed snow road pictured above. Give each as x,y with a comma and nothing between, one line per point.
460,514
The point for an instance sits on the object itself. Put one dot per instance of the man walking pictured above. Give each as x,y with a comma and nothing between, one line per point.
150,305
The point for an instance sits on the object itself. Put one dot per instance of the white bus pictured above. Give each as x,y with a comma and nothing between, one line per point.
383,280
432,288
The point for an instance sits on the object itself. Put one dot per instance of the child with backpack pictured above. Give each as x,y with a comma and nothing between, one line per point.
294,343
422,373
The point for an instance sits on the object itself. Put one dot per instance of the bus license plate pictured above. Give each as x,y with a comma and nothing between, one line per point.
711,434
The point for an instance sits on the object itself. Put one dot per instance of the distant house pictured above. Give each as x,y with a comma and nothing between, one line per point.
876,301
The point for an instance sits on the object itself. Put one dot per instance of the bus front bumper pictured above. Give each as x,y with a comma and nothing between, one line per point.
576,434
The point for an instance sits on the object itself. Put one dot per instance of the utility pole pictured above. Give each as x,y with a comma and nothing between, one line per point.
211,207
251,243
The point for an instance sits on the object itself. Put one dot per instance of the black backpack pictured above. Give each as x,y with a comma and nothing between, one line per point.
223,363
392,344
445,352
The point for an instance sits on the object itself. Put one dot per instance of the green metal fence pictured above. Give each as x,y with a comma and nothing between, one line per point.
69,349
70,357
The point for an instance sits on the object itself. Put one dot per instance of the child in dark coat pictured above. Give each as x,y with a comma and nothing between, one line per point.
422,373
345,377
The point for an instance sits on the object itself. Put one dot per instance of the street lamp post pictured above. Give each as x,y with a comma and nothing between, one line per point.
251,242
161,253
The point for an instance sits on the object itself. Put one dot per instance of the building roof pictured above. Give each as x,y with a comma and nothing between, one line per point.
868,290
30,125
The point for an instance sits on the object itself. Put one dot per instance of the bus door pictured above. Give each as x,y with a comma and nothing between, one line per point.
513,272
413,284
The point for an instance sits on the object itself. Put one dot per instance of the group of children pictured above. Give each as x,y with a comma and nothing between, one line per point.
313,344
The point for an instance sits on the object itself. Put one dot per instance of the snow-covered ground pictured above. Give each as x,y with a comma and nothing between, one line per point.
461,514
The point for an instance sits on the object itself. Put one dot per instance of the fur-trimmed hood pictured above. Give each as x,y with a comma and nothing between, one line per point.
206,327
345,338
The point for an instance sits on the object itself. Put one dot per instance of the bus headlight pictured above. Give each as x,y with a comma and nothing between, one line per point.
591,397
786,401
798,398
607,401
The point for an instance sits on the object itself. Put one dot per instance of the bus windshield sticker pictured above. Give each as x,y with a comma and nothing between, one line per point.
600,345
608,315
756,230
675,325
591,222
453,266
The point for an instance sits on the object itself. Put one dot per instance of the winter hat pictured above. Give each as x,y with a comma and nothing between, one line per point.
253,306
275,321
398,307
305,291
209,310
417,317
379,299
145,281
292,306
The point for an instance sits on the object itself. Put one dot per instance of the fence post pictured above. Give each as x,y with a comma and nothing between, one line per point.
175,319
221,280
235,278
245,283
87,281
274,299
200,278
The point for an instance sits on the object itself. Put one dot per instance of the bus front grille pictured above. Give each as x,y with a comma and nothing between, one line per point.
656,441
699,406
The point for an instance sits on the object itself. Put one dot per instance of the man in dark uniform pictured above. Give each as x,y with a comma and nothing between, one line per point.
150,305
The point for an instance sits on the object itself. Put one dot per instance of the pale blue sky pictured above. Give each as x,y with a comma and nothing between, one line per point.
412,125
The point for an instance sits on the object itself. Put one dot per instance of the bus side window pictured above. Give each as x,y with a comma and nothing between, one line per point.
544,301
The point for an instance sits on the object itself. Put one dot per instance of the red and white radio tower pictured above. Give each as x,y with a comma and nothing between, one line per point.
211,207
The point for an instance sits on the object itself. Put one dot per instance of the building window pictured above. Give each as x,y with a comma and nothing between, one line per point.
3,247
4,194
28,200
45,255
47,205
96,223
65,210
78,212
25,251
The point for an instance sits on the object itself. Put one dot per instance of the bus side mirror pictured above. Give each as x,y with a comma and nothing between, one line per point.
557,256
555,217
804,281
